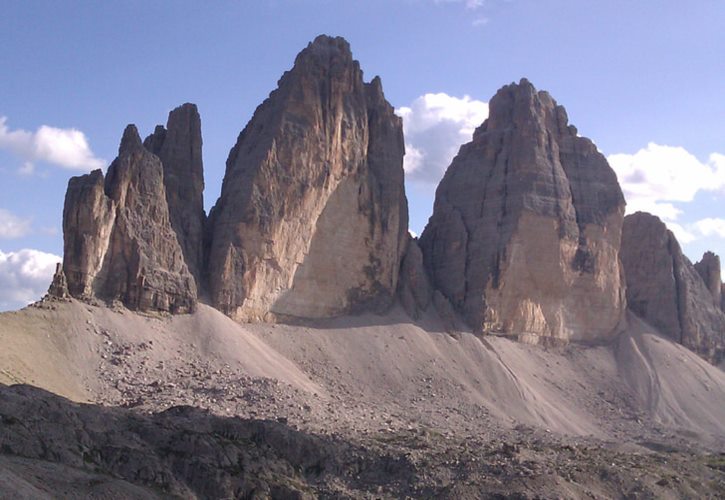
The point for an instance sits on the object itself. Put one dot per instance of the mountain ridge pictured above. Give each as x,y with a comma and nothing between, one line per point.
299,343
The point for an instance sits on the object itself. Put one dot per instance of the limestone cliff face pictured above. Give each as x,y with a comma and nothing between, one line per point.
178,146
312,218
665,289
709,270
118,239
525,234
414,289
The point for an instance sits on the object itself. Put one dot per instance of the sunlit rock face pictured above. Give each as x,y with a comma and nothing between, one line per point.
666,290
525,235
119,244
312,219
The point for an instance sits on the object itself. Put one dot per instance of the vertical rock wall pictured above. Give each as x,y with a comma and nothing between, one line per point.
118,239
525,232
312,217
665,289
178,146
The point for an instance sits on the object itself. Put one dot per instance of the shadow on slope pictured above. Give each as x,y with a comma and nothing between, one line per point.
53,448
182,451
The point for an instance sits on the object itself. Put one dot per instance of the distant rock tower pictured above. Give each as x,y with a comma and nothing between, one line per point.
119,243
525,234
667,291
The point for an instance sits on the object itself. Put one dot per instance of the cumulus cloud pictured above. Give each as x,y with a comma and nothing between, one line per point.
656,176
12,226
67,148
25,276
435,126
710,227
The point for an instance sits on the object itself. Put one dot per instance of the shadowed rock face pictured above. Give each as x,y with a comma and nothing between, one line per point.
665,289
525,233
709,270
312,218
178,146
414,288
118,239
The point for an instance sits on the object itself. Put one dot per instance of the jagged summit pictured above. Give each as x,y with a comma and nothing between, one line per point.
524,236
130,140
311,222
709,270
312,219
323,48
179,147
118,239
667,291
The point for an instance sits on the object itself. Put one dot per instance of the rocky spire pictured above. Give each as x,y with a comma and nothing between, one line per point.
709,269
312,218
179,148
59,286
525,233
665,289
118,240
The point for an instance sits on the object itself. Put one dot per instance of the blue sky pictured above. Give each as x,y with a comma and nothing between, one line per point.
643,79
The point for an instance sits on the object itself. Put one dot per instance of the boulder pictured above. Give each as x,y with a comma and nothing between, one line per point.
525,234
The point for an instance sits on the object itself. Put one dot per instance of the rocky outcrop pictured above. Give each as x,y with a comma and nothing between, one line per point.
59,286
666,290
709,270
312,218
178,146
414,287
525,234
118,240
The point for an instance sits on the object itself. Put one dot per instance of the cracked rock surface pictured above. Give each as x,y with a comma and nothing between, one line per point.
666,290
312,220
525,233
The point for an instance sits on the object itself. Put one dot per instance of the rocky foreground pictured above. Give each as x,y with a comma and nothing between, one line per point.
53,448
197,406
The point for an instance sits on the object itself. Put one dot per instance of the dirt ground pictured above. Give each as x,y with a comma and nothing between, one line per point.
380,407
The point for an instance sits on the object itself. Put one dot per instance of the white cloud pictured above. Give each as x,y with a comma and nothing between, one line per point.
67,148
710,227
470,4
654,177
435,126
480,21
12,226
25,276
